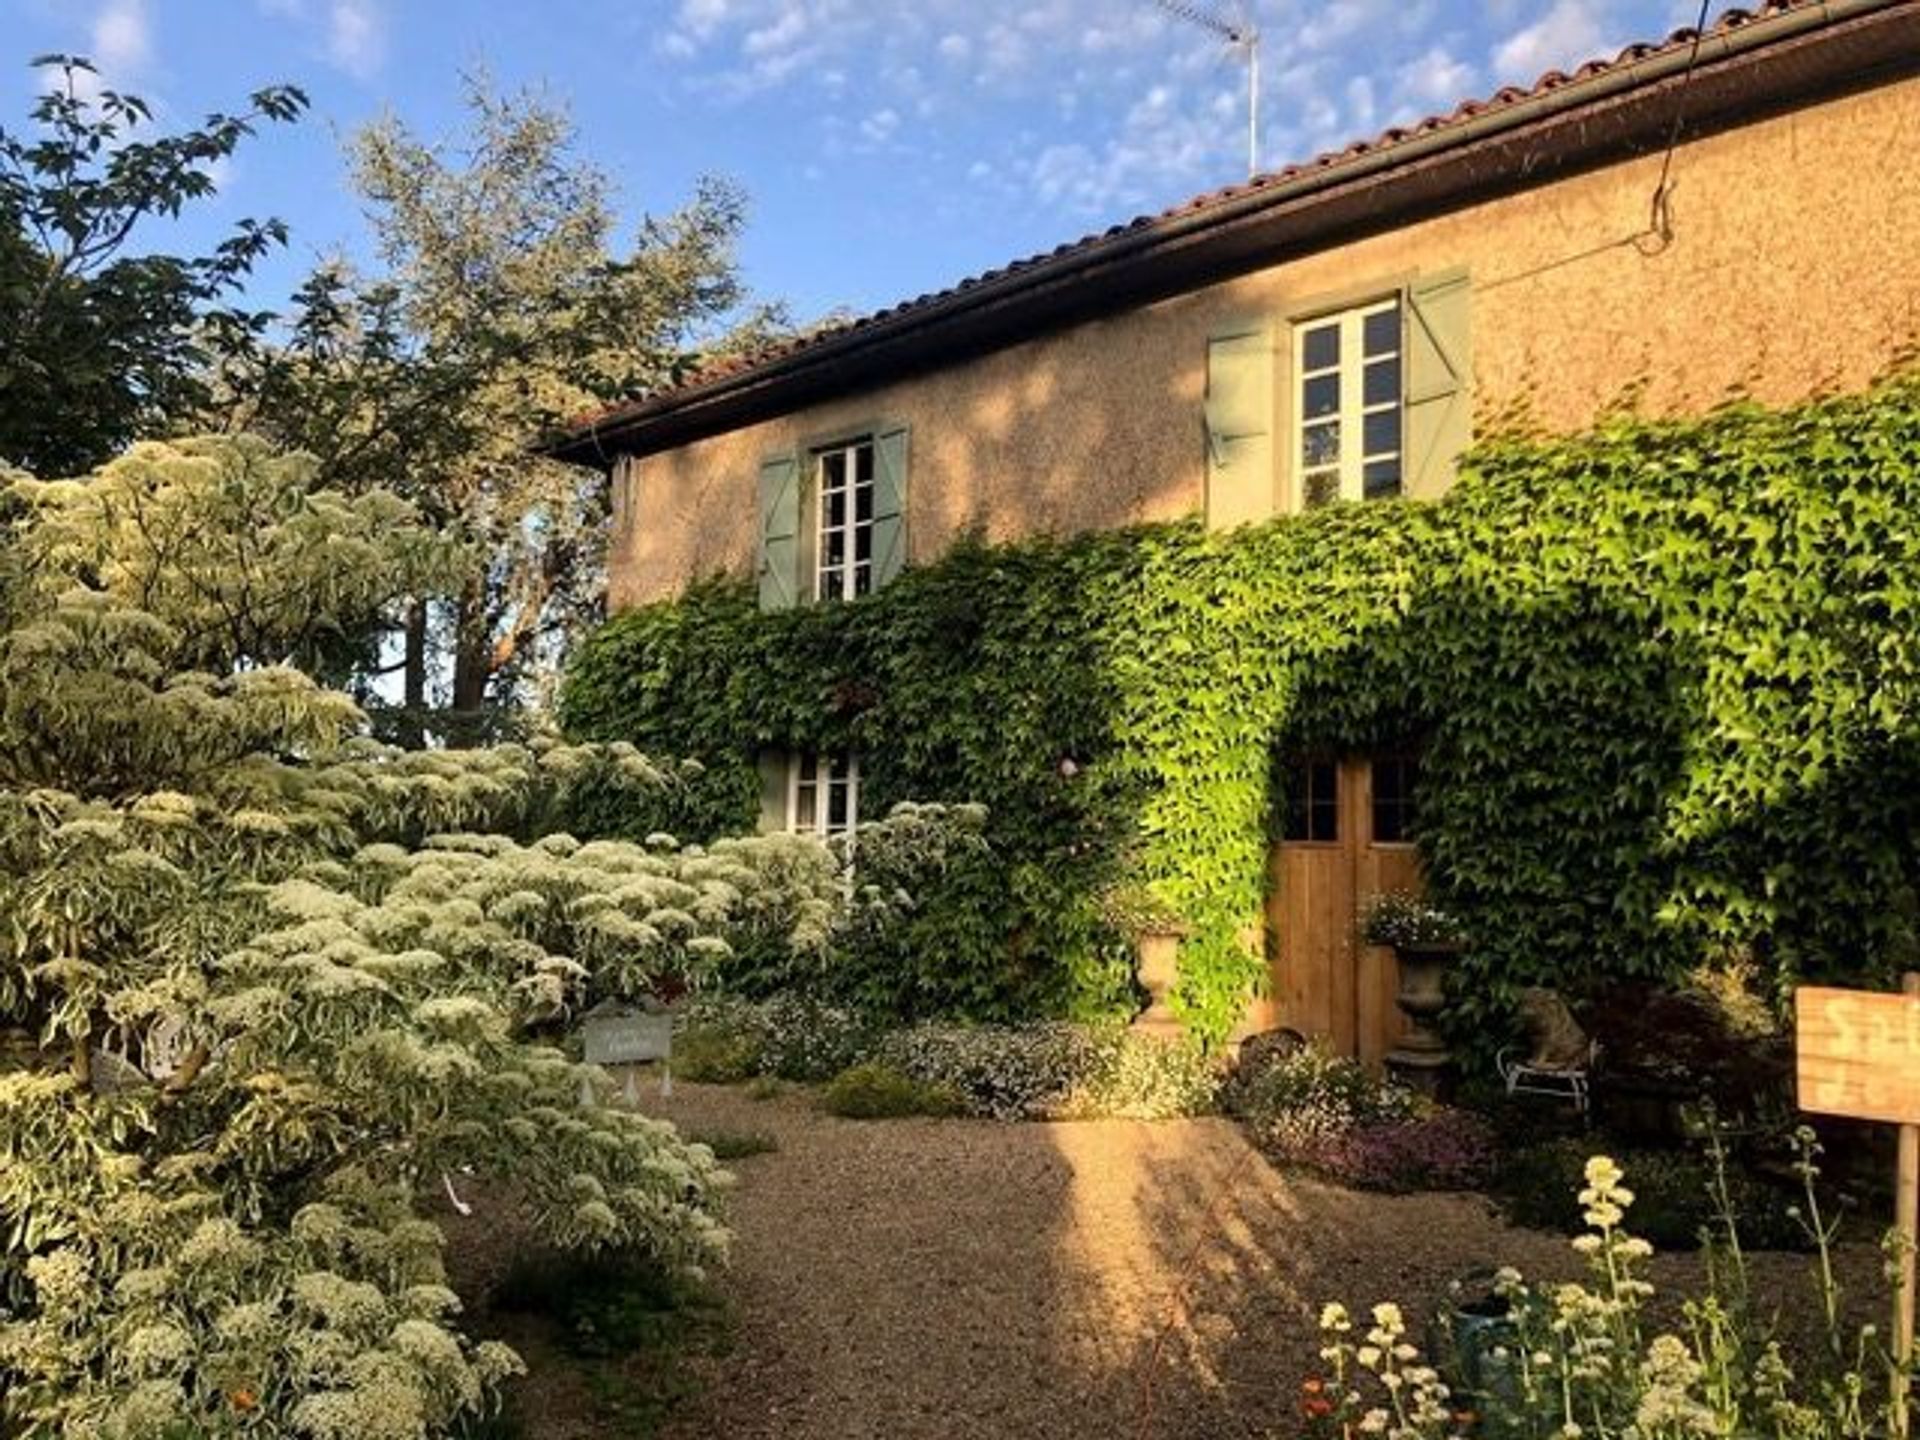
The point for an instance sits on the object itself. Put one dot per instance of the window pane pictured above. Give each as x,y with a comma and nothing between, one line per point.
863,542
863,504
1380,480
1320,348
835,507
863,461
832,582
1322,488
1382,332
1383,382
1320,443
805,811
809,769
833,470
837,805
862,578
1320,396
1296,823
1381,432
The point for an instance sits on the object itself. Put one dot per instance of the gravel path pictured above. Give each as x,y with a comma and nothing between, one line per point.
960,1279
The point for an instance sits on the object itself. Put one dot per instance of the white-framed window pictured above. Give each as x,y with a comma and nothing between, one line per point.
823,793
843,538
1349,426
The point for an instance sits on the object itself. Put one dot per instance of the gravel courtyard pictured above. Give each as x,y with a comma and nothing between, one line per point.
959,1279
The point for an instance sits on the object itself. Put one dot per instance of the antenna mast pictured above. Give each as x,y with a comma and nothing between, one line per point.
1239,35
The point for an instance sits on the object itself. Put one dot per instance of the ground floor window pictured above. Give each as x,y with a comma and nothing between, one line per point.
823,793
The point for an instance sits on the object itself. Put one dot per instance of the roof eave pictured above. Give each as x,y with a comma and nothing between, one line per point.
1760,66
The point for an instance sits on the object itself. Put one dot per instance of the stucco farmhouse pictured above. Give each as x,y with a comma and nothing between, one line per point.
1716,214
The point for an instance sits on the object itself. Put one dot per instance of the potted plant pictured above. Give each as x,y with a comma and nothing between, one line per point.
1425,941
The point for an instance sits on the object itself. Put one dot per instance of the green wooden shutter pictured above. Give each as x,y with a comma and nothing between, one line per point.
1439,420
779,532
889,504
773,791
1239,419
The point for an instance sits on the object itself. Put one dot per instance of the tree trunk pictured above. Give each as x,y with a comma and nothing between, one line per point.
472,655
413,723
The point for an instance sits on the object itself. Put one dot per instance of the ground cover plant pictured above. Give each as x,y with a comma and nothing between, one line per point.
1662,674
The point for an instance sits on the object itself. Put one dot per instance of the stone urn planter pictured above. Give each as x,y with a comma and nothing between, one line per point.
1426,942
1157,968
1421,1060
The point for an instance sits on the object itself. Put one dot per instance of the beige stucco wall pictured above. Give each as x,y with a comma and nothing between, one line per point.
1793,268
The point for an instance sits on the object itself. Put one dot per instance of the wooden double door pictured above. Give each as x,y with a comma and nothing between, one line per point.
1346,837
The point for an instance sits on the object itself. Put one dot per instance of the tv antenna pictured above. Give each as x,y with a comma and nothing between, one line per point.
1241,36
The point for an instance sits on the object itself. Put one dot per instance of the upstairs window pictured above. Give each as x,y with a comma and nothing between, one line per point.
845,537
833,518
1348,422
823,794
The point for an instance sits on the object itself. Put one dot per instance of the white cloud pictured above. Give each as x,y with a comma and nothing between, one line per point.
1434,81
120,37
356,36
1566,35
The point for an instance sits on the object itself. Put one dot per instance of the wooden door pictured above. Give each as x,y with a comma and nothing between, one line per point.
1346,838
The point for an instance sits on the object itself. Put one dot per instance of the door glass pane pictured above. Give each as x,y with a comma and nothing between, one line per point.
1320,444
1380,480
1381,432
1320,347
1383,382
1313,801
1394,780
1382,331
1320,396
1322,488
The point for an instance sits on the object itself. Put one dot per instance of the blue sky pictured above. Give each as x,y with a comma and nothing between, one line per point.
890,147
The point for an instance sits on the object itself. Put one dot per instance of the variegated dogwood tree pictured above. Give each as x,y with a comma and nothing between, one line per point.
264,983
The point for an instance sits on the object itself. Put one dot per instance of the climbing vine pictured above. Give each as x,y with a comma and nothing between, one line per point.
1663,676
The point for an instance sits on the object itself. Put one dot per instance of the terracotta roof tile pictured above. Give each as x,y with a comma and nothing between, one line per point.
1467,109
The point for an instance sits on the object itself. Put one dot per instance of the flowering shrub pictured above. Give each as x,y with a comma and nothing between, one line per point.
719,1038
1047,1071
1311,1107
1056,1070
1308,1097
1578,1360
1403,919
1439,1148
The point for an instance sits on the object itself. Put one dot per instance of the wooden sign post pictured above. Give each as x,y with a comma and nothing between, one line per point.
1858,1055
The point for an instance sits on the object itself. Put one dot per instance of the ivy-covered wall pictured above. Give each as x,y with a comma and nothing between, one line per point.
1664,676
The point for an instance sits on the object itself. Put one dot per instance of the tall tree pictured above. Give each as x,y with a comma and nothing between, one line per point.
506,305
98,343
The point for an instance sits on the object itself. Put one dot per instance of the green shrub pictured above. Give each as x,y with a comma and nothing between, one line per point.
1663,672
873,1091
710,1054
734,1144
1674,1199
1309,1096
605,1305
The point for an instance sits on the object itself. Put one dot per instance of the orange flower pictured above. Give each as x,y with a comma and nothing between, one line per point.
1316,1407
242,1399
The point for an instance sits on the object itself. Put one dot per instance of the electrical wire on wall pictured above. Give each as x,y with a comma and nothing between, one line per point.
1659,232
